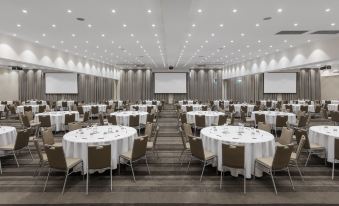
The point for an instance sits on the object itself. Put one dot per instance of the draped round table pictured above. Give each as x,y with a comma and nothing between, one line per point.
296,107
34,102
324,136
181,102
258,143
150,102
70,103
123,117
57,118
143,107
101,107
237,107
7,135
2,107
120,138
211,117
333,107
196,107
270,116
35,109
118,103
226,102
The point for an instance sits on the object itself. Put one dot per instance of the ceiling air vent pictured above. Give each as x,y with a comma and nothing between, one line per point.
290,32
326,32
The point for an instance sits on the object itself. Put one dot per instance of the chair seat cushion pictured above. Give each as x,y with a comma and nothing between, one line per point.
71,162
7,147
316,147
149,145
208,155
127,155
293,156
266,161
188,146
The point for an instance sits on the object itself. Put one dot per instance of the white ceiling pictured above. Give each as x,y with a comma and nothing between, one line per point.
173,40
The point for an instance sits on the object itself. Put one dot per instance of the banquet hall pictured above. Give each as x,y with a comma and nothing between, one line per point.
169,102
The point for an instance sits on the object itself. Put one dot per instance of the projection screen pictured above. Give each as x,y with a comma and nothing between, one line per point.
61,83
280,82
170,83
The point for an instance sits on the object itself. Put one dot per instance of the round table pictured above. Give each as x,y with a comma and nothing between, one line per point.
34,102
7,135
101,107
123,117
181,102
118,103
69,103
196,107
258,143
211,117
296,107
324,136
57,118
332,107
120,138
143,107
237,107
149,102
2,107
226,102
270,116
35,108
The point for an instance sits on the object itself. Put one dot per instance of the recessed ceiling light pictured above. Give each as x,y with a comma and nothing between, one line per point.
153,25
75,47
37,41
199,10
285,41
232,41
132,35
53,25
328,10
73,35
291,46
86,42
309,41
234,10
206,41
271,46
112,42
259,41
332,24
97,47
247,46
53,46
279,10
189,35
155,35
295,24
149,11
69,11
24,11
186,41
124,25
193,25
18,25
212,34
61,42
89,25
102,35
44,35
13,34
113,11
257,25
221,25
242,34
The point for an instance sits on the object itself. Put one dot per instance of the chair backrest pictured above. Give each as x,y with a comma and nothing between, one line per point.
300,146
47,136
196,147
149,109
232,119
256,108
112,119
74,126
281,121
189,108
56,157
27,108
42,108
25,121
300,114
222,119
64,104
200,120
38,149
264,127
183,137
86,116
286,136
304,108
99,156
335,116
101,119
259,118
269,104
183,118
149,130
139,147
156,136
45,120
80,109
95,109
69,118
29,115
298,135
150,118
22,139
317,109
336,149
187,130
231,108
303,121
244,109
204,108
134,120
282,156
233,156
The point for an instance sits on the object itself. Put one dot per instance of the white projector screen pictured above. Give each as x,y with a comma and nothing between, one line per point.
280,83
61,83
170,83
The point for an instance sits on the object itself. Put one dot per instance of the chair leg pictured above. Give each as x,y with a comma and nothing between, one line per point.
149,172
132,170
203,169
0,167
220,184
300,173
309,155
188,167
111,178
255,167
289,174
244,181
332,169
119,166
16,160
63,188
87,180
325,154
275,188
49,170
29,150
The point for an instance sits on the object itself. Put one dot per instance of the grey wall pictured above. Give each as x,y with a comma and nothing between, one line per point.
9,85
330,87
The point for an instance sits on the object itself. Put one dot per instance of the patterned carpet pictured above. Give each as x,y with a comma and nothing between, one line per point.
168,184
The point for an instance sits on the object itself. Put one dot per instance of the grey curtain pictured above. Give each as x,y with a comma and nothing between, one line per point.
135,84
90,88
252,87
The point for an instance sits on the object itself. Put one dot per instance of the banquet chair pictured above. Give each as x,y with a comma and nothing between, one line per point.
57,160
258,103
27,108
151,144
21,143
94,111
42,157
302,122
45,121
68,119
64,106
279,162
184,102
304,108
268,104
204,108
183,118
80,110
102,121
335,117
150,118
48,138
74,126
99,157
285,137
135,108
186,150
134,121
137,153
264,127
336,155
233,156
256,108
30,125
231,120
300,113
149,109
189,108
199,122
280,122
247,121
221,121
29,115
288,108
198,152
231,109
42,108
244,109
295,155
112,119
259,118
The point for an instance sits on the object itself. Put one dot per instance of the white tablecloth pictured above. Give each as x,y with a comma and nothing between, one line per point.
324,136
101,107
33,102
35,109
196,107
296,107
57,118
270,116
226,102
258,143
300,102
2,107
123,117
143,107
76,143
149,102
110,102
237,107
181,102
211,117
332,101
274,102
332,107
69,103
7,136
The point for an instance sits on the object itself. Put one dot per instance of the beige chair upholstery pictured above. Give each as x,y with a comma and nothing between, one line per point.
42,156
48,138
336,155
58,161
233,156
74,126
295,155
112,119
198,152
286,136
264,127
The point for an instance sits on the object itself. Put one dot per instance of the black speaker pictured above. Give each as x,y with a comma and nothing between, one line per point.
170,67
